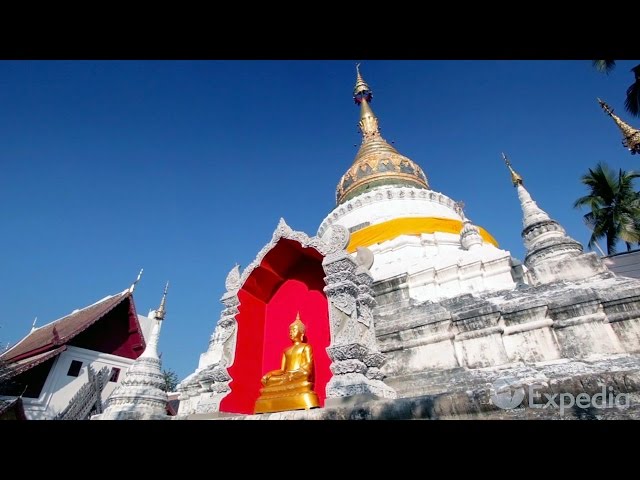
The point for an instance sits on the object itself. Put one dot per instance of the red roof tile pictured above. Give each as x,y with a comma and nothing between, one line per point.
25,364
62,330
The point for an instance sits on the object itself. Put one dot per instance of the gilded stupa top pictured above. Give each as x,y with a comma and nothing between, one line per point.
376,163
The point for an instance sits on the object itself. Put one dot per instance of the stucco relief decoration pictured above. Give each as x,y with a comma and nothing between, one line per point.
365,301
285,231
343,302
233,279
336,237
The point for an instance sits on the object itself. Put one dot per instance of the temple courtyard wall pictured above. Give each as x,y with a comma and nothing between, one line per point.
565,350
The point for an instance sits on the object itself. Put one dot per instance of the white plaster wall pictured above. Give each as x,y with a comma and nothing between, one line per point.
59,388
386,203
437,265
438,270
146,325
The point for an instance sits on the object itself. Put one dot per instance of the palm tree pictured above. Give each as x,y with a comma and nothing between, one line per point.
615,206
632,102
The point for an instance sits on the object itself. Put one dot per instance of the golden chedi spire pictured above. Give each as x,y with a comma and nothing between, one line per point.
160,313
515,178
631,136
377,163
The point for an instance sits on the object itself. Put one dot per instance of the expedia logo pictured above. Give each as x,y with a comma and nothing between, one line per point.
506,393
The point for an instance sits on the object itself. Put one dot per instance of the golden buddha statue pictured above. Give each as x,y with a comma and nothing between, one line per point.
291,386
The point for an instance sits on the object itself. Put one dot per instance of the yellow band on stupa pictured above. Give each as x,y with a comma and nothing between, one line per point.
381,232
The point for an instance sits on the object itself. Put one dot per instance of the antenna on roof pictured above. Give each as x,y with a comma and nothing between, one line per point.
133,285
33,326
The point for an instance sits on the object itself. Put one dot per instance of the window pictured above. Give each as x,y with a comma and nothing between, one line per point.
74,368
115,373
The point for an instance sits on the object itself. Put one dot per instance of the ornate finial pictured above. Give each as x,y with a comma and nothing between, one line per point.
631,139
133,285
299,323
605,107
161,310
515,178
363,95
377,163
361,89
33,325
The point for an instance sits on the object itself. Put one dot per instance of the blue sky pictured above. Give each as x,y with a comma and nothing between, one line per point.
184,168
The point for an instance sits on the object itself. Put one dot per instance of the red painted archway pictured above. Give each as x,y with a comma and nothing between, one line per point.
290,279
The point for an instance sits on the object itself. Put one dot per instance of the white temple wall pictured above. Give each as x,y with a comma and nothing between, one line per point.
388,203
59,387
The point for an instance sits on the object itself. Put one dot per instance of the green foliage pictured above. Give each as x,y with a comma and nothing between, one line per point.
614,204
632,100
170,380
604,66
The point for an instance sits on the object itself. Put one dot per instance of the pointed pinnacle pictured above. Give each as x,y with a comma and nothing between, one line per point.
361,85
515,178
161,309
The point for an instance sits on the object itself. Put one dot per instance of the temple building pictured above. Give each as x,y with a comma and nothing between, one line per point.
399,307
67,369
403,307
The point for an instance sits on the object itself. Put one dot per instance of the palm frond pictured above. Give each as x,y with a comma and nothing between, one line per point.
614,206
604,66
632,102
586,201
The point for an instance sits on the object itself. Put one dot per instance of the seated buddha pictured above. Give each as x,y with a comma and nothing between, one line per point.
291,386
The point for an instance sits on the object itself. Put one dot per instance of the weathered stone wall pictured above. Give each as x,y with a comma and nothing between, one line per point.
431,347
471,397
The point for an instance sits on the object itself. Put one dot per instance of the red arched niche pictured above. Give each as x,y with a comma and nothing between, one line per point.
290,279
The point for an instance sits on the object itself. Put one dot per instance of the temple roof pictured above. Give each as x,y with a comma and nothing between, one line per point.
376,163
59,332
20,366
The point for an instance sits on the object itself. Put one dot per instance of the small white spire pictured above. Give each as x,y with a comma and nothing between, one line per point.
158,316
532,213
530,210
141,391
33,325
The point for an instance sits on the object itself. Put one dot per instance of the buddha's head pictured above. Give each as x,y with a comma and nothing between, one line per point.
297,329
